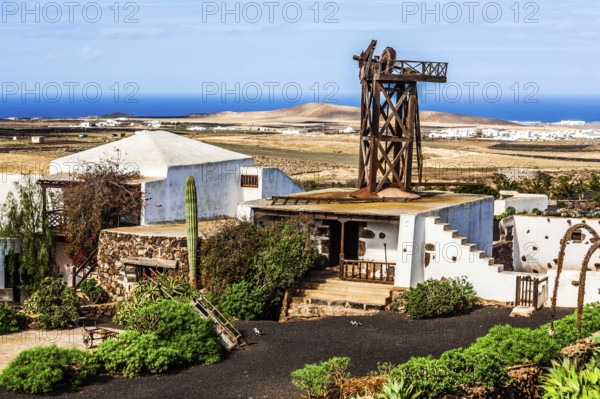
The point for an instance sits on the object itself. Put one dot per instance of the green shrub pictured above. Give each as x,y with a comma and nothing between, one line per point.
271,259
148,291
93,291
44,369
485,361
161,336
569,379
54,302
229,256
11,320
290,253
317,380
242,300
508,212
435,298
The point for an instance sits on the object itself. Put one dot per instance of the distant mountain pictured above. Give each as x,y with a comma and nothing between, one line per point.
118,115
332,113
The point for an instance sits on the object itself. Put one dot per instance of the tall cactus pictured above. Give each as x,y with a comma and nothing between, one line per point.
191,223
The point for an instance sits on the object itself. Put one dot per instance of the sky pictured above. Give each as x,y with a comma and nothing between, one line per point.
241,54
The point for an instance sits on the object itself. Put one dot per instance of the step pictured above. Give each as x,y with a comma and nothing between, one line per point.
350,283
498,266
342,298
347,291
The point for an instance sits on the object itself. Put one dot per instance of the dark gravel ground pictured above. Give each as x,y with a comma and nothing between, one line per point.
263,369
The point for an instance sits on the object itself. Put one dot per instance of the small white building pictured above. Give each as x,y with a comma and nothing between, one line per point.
164,160
521,202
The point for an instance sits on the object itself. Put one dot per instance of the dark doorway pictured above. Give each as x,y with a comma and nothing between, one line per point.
12,280
351,240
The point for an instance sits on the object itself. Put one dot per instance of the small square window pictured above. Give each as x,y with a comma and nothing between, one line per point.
249,181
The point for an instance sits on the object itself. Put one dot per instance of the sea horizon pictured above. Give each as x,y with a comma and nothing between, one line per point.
544,110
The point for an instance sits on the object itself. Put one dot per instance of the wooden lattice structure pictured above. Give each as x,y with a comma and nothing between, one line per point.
390,127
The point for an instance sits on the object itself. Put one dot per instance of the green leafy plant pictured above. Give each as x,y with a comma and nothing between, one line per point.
243,301
93,291
398,390
435,298
151,290
21,217
54,302
484,363
45,369
161,336
271,259
569,379
11,320
317,380
508,212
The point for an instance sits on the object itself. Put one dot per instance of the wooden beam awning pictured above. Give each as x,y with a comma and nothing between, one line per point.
261,212
152,262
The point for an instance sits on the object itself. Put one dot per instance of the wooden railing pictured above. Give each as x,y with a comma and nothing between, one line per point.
368,271
56,219
425,68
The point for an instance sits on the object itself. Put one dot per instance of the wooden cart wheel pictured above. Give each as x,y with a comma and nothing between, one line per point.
88,341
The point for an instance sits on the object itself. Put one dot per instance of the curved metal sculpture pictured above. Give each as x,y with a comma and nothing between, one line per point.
582,274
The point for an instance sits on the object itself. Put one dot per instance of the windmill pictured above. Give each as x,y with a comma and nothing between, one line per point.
390,133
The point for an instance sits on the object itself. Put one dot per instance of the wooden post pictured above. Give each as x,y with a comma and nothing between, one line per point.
374,136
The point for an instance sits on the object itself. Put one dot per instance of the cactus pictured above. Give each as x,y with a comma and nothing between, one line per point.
191,222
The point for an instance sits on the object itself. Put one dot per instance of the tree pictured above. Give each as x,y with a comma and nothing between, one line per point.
21,217
100,198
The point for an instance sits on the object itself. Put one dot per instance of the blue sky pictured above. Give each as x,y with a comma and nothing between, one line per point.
184,47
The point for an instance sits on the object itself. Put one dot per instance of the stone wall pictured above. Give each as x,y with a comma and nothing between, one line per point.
116,277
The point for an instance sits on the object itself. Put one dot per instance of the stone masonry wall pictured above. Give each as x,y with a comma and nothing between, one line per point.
117,278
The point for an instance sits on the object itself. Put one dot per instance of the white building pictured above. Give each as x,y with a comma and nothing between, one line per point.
165,160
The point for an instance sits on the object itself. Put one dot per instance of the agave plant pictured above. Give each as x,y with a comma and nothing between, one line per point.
569,379
150,290
399,390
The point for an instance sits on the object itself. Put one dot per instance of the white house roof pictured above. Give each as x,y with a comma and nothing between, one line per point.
152,152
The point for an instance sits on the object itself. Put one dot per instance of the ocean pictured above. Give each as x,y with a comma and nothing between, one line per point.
546,109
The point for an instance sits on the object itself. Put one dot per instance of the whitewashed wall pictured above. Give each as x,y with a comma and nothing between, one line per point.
271,182
374,247
536,243
217,187
521,203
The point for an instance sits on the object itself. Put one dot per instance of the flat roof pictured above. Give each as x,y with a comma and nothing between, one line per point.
429,201
206,228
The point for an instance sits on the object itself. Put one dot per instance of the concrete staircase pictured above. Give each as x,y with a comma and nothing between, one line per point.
326,288
468,251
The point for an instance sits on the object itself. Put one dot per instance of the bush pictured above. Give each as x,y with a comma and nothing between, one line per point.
54,302
485,361
10,320
270,259
317,380
229,256
93,291
148,291
44,369
435,298
161,336
242,300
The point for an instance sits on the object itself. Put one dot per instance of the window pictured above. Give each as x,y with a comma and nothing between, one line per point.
250,181
577,236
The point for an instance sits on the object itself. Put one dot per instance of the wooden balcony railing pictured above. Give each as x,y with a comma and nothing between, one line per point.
368,271
56,220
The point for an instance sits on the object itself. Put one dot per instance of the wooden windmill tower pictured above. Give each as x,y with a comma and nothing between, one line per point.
390,129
